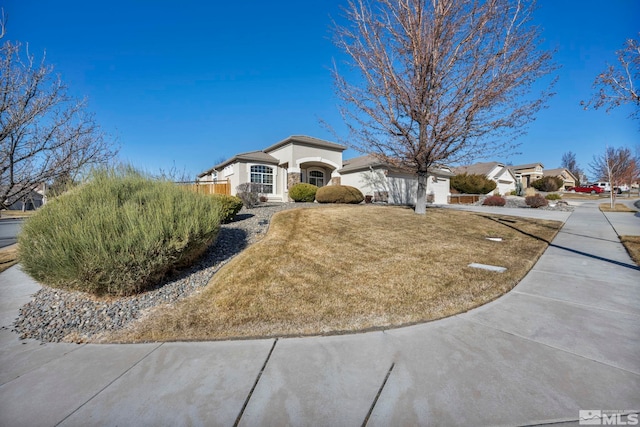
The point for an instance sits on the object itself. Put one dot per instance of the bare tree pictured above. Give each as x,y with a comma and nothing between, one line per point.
618,84
438,78
44,133
618,166
569,162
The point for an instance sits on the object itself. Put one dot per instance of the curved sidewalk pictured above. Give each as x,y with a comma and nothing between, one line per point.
567,338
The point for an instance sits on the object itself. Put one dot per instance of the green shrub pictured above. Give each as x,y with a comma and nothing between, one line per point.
548,183
118,234
229,206
339,194
494,201
303,192
472,184
553,196
536,201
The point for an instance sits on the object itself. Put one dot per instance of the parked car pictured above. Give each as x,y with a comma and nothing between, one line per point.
622,188
604,185
593,189
607,187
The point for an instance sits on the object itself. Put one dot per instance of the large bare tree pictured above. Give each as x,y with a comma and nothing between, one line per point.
44,133
618,84
433,81
618,166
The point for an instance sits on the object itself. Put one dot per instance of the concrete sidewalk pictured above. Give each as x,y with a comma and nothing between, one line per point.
567,338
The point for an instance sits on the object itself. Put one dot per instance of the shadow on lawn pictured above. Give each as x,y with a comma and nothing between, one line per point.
509,222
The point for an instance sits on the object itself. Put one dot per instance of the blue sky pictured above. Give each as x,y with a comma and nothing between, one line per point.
193,82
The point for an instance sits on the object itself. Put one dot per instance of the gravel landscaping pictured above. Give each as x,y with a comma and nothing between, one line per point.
518,202
56,315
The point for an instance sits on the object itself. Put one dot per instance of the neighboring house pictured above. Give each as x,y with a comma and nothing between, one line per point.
315,161
31,201
498,172
389,184
528,173
564,174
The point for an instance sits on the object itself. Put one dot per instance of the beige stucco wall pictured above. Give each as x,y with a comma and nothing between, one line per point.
295,154
400,187
241,174
234,177
529,175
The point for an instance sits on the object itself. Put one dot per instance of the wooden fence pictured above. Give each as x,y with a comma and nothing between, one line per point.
209,187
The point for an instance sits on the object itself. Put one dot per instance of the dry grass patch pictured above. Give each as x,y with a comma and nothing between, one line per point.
336,269
583,196
15,214
632,243
618,207
8,257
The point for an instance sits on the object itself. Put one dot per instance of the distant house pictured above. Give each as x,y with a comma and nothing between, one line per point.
301,158
528,173
393,185
498,172
567,177
30,201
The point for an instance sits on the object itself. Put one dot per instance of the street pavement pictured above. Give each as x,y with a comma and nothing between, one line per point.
565,339
9,229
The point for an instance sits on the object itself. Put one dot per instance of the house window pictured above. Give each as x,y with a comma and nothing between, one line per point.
316,178
263,175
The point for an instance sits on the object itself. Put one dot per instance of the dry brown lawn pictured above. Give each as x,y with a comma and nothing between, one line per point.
618,207
8,257
351,268
582,196
15,214
632,243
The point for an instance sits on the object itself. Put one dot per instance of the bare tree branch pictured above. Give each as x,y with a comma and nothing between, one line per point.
44,133
618,84
438,78
569,162
2,23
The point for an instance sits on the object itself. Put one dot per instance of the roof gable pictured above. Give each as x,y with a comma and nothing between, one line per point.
306,140
526,166
251,156
484,168
559,172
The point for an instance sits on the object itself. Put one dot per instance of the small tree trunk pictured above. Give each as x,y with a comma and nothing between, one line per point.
613,198
421,196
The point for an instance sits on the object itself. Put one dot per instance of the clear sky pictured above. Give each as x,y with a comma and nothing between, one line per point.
190,83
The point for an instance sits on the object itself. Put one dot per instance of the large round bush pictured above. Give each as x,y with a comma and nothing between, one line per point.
472,184
117,234
548,183
339,194
303,192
